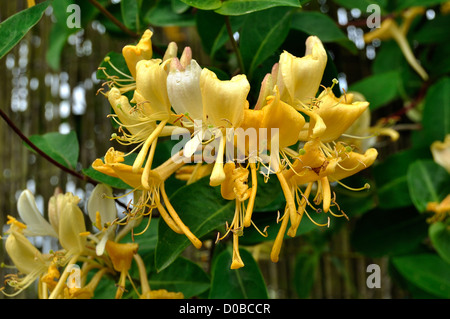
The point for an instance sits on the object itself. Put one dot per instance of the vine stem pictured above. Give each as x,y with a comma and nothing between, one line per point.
121,26
113,19
234,44
22,136
42,153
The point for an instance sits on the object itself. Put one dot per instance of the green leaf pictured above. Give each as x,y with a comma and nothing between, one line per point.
202,209
436,112
13,29
322,26
130,14
59,33
381,233
183,276
433,31
390,177
243,283
440,237
204,4
361,4
379,89
306,266
63,148
427,182
426,271
257,44
145,235
105,67
213,31
405,4
240,7
163,15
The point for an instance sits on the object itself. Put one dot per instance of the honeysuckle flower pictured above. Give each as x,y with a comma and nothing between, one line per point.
102,212
56,204
330,116
319,165
87,291
135,53
224,103
152,188
28,260
235,187
441,210
72,229
389,29
121,257
101,206
28,211
183,88
441,152
299,78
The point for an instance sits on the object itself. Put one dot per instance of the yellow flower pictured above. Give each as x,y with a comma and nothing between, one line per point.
135,53
27,258
441,210
330,116
235,187
72,228
151,184
121,257
299,78
441,152
389,29
223,107
37,225
55,205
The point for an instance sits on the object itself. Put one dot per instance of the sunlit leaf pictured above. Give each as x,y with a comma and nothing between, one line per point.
13,29
239,7
204,4
379,89
63,148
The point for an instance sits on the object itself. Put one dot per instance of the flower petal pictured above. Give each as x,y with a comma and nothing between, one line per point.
223,101
37,225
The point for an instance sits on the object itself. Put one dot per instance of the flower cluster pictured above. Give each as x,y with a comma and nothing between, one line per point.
294,132
64,273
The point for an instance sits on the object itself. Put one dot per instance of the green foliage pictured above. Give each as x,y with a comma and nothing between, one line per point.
243,283
13,29
63,148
